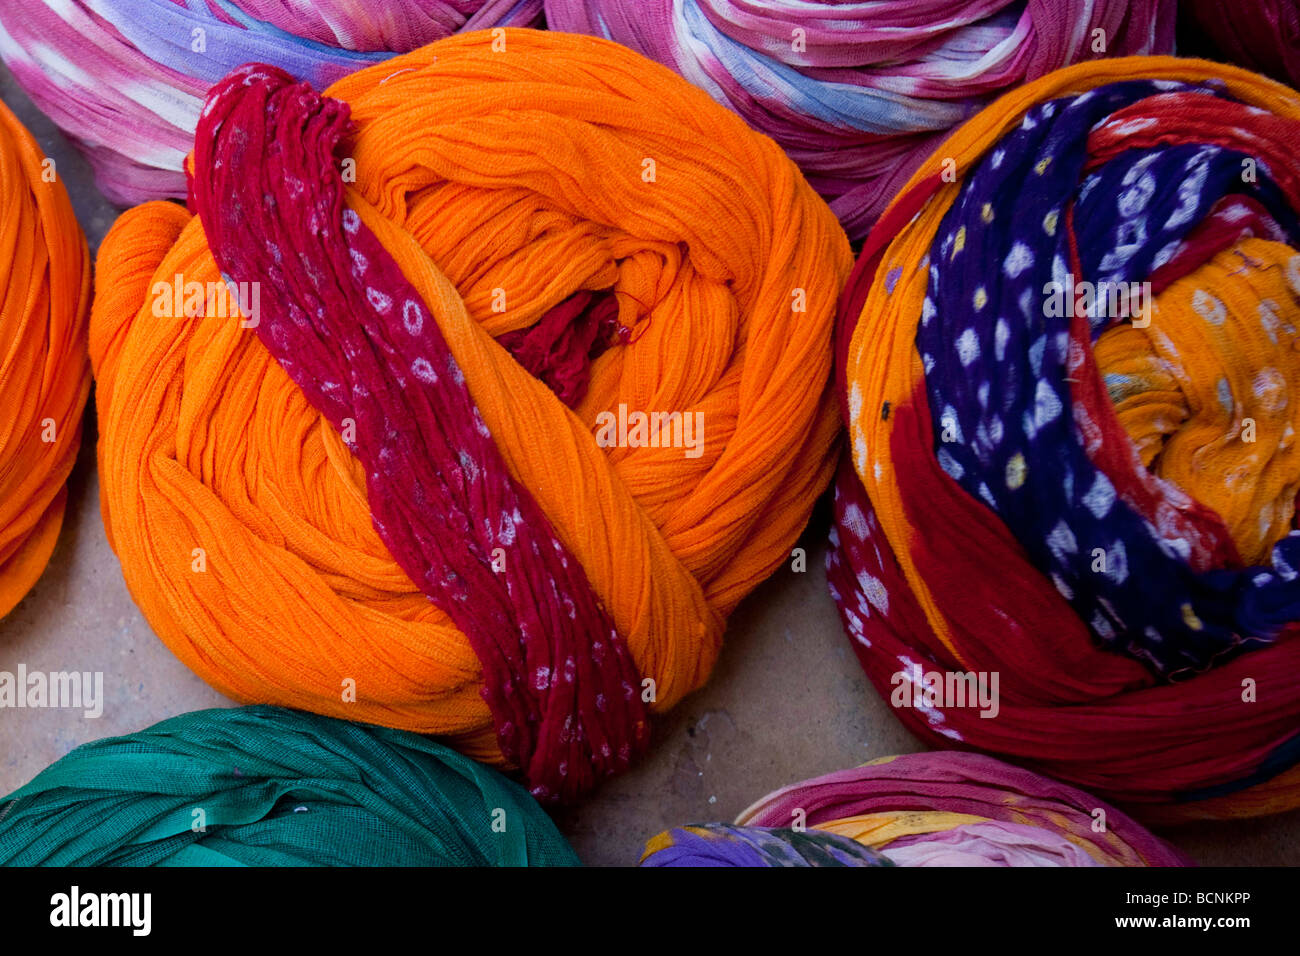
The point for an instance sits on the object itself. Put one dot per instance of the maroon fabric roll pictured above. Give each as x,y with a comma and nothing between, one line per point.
1261,34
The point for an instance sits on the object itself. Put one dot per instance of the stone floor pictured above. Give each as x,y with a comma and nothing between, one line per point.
787,701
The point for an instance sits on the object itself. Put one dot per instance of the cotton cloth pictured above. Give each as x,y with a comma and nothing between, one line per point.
400,481
263,786
125,79
942,808
859,93
44,366
1263,35
1094,504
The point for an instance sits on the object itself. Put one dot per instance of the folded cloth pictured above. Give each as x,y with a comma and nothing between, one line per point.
125,79
859,92
941,808
262,786
44,365
1071,377
524,382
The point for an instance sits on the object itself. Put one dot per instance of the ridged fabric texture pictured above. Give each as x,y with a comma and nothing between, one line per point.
397,478
925,809
859,93
1263,35
1095,505
44,369
261,786
125,79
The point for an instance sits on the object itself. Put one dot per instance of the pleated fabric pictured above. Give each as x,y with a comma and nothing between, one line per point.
125,79
859,93
44,365
1091,502
263,786
941,808
1263,35
406,479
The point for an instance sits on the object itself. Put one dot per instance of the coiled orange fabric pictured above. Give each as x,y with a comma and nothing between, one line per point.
522,174
44,369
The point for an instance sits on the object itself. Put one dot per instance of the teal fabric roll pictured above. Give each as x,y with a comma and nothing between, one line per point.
264,786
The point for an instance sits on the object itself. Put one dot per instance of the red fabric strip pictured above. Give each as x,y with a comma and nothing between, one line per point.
346,325
561,346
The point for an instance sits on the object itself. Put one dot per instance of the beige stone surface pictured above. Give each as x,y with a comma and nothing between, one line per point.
787,701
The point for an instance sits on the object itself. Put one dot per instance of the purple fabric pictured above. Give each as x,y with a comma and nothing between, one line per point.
720,845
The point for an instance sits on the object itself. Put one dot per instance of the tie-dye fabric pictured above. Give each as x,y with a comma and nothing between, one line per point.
719,844
125,79
859,93
1071,382
926,809
1000,366
557,675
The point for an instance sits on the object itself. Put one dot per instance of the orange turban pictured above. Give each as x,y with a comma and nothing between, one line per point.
597,243
44,373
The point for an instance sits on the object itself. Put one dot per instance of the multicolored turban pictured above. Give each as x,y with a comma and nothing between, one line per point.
489,442
44,368
1263,34
1072,380
125,79
925,809
261,786
859,93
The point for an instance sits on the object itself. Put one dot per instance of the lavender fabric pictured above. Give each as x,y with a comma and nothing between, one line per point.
859,93
125,79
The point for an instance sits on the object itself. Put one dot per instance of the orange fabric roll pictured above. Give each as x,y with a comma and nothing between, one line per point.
503,181
44,369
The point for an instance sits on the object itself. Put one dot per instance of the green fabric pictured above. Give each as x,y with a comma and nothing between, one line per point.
276,788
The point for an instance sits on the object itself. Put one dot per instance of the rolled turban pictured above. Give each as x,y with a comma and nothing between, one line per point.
1071,377
262,786
125,79
501,431
942,808
1263,35
859,93
44,367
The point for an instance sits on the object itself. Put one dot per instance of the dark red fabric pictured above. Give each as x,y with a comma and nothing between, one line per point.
1173,119
1232,219
561,346
1263,35
346,325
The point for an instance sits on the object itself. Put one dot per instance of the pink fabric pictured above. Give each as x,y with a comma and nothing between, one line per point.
966,783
